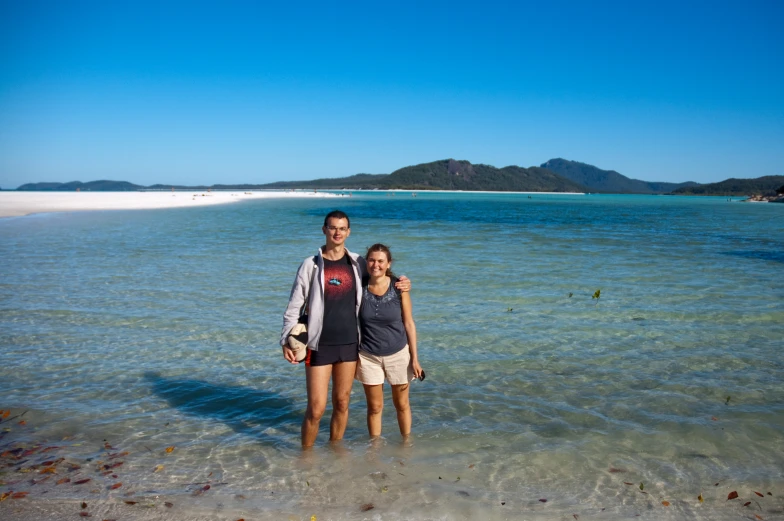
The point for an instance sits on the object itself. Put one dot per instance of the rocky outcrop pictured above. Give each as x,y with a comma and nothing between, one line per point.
765,199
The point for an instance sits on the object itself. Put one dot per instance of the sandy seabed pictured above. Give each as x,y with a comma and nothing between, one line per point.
15,204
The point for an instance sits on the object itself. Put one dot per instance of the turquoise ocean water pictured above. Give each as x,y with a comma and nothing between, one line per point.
151,329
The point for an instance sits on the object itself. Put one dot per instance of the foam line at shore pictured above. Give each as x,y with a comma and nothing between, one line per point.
14,204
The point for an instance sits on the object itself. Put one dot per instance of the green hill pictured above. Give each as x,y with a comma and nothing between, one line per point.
449,174
92,186
608,181
766,186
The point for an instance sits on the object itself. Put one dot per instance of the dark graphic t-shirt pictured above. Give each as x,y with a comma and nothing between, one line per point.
340,298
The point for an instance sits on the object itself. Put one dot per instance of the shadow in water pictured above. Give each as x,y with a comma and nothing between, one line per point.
776,256
245,410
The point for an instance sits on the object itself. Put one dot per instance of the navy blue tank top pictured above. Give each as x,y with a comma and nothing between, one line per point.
381,320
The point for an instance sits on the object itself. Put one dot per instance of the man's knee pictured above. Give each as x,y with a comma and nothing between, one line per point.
340,403
315,411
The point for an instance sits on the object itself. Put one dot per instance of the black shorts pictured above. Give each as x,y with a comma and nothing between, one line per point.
328,355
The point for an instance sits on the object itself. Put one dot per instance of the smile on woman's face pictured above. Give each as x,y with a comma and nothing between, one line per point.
377,264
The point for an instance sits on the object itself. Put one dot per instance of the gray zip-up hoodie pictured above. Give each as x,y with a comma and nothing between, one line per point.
309,290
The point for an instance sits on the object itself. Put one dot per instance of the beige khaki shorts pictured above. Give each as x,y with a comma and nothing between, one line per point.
372,369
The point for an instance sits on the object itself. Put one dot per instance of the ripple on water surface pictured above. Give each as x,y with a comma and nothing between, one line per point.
147,330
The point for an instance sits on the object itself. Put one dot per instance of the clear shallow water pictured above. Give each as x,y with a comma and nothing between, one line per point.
151,329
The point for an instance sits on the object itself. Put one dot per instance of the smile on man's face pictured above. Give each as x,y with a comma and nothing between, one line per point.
336,230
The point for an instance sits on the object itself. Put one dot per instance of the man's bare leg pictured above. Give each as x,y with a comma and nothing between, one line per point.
317,379
342,380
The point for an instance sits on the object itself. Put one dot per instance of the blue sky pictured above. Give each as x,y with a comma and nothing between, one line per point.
254,92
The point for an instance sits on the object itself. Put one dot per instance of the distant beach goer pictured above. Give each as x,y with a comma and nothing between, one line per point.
388,349
328,288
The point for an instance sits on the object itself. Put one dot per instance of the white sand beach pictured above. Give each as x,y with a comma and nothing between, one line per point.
14,204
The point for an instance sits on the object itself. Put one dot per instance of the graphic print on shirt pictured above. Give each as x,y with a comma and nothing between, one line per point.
338,280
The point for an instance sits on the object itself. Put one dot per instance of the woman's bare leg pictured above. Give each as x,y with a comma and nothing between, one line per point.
400,399
375,406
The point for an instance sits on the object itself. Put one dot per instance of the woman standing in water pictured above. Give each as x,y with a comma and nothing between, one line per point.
388,348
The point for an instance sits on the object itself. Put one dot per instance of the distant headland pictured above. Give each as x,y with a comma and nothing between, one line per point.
555,175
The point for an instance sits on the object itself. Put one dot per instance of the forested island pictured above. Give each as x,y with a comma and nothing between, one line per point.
555,175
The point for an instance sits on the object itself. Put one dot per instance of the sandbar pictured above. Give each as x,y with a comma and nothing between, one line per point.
14,204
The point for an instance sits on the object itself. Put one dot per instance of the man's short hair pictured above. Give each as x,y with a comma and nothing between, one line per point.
337,214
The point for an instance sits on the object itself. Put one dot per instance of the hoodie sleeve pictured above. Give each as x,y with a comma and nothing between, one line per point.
297,299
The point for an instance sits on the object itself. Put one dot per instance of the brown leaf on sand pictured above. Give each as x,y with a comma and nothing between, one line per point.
627,483
6,414
115,486
543,501
732,495
758,516
613,470
118,455
4,496
700,498
666,503
48,470
168,505
19,495
471,466
22,422
158,468
201,491
85,514
760,495
169,449
84,505
575,516
63,480
747,503
366,507
82,481
129,502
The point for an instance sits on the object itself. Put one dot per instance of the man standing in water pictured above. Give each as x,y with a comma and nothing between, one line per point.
328,287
